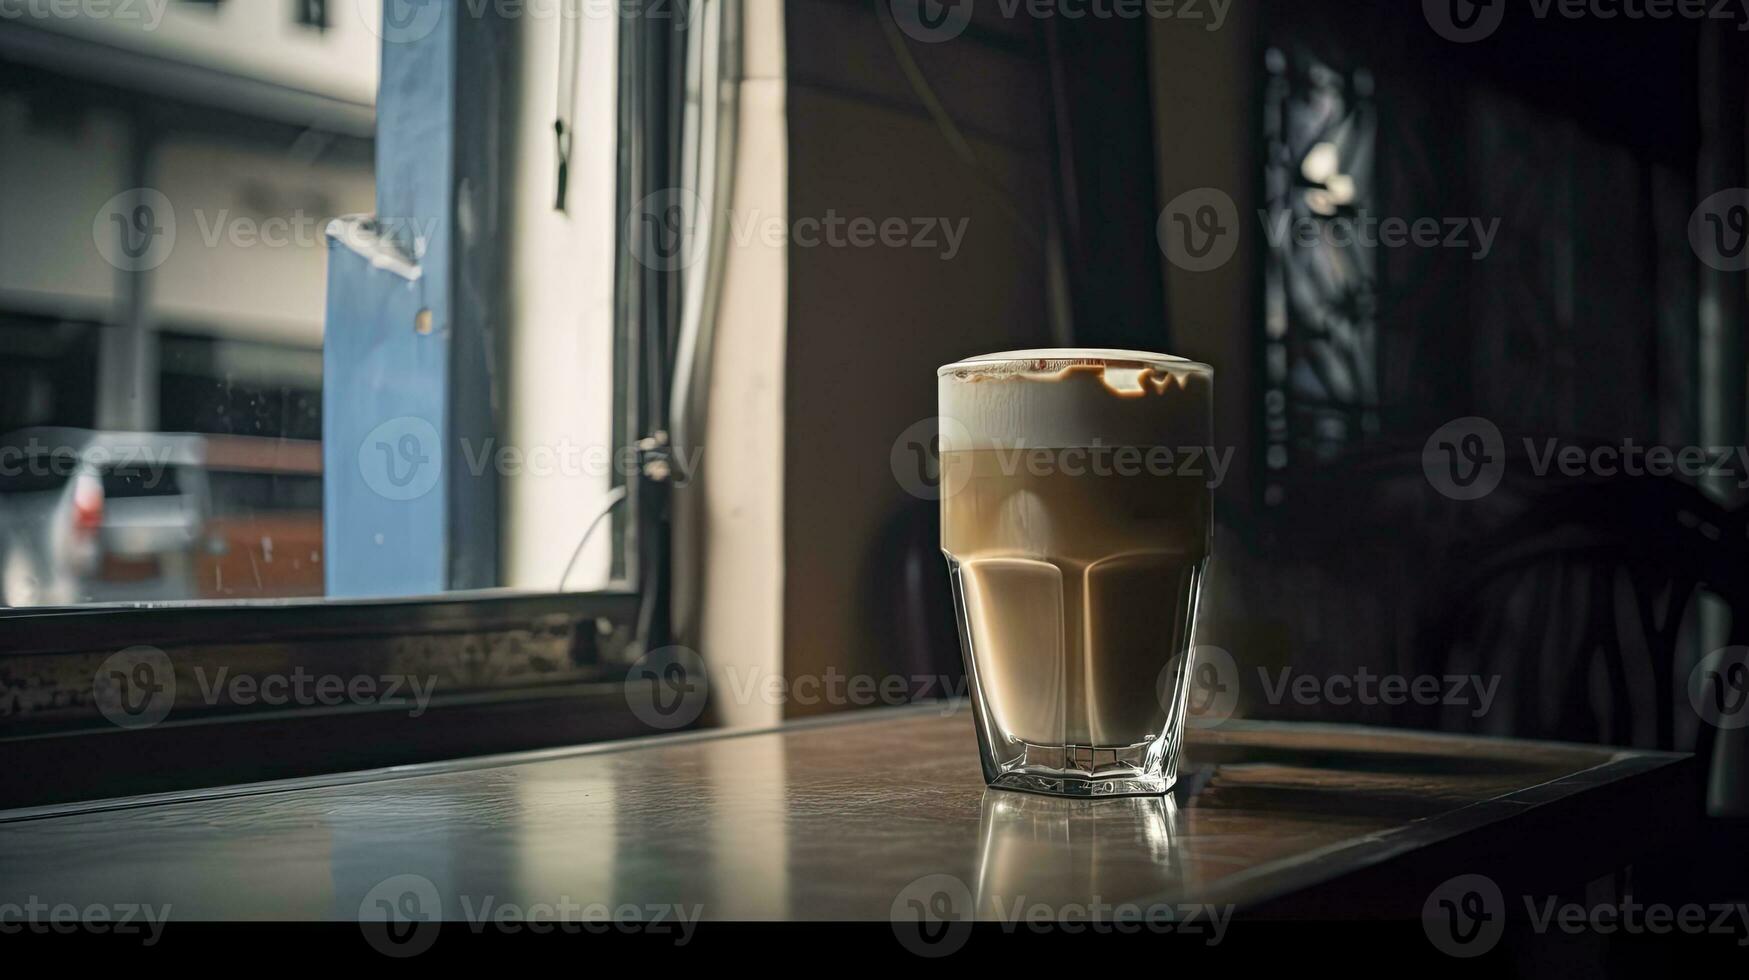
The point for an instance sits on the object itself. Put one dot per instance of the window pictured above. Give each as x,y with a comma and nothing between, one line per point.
166,270
1320,340
247,353
313,13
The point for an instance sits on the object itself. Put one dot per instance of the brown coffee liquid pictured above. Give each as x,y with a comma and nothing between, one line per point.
1079,572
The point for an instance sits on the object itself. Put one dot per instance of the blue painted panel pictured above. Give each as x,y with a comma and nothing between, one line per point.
383,425
387,411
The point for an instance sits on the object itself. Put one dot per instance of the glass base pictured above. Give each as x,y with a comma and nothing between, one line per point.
1027,782
1087,770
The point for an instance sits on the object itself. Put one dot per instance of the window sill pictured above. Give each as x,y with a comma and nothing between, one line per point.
279,690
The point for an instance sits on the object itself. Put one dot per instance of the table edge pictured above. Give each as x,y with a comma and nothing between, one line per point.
1302,872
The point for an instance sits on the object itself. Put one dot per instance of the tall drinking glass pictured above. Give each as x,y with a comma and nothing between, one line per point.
1076,496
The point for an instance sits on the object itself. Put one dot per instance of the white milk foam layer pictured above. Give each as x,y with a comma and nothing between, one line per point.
1063,399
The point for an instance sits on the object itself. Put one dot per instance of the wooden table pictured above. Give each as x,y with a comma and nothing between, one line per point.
839,818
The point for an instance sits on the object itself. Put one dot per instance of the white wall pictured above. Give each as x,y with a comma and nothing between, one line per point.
253,38
53,183
737,507
559,386
249,259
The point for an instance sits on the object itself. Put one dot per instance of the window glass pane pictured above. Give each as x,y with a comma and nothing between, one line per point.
170,178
